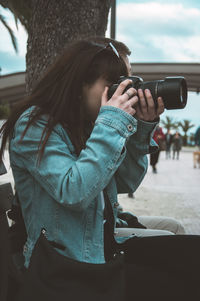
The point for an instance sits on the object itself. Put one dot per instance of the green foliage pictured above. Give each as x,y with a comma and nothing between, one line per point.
21,10
169,123
185,126
12,35
4,111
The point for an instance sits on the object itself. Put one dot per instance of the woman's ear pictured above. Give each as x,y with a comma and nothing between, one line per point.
104,98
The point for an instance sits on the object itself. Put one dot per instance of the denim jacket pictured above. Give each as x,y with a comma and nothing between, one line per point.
63,193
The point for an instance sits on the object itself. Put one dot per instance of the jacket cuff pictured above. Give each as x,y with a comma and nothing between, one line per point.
145,130
142,139
123,122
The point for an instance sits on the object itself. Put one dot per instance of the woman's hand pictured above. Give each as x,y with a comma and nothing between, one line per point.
146,109
125,101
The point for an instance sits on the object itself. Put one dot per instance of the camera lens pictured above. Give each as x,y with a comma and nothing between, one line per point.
173,90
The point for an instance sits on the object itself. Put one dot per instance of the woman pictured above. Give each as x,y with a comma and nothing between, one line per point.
68,142
60,157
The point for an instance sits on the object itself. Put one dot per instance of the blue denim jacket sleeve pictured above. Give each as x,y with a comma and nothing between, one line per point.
142,141
133,168
75,181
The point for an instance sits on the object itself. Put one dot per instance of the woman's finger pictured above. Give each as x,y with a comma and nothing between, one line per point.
122,86
161,106
133,101
128,94
149,101
142,103
150,105
138,114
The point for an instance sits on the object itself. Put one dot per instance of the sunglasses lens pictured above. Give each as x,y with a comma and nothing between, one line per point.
109,46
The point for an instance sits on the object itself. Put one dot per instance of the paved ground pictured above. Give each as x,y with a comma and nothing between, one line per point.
174,191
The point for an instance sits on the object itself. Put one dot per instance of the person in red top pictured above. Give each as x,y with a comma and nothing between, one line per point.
158,137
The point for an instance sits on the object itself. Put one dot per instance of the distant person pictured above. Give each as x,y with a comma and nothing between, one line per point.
177,144
168,141
197,138
158,137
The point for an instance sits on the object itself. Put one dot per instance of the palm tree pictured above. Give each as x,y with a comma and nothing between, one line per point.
21,10
12,35
169,123
52,24
185,126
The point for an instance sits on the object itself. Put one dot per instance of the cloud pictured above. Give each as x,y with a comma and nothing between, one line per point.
152,13
160,32
180,49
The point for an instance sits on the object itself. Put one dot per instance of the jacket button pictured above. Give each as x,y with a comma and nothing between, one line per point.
116,204
130,127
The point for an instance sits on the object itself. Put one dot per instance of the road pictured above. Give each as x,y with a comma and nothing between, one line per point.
174,191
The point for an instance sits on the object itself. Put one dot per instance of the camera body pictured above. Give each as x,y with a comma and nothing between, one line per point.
173,90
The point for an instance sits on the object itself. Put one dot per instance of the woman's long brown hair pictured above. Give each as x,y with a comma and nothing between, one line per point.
59,93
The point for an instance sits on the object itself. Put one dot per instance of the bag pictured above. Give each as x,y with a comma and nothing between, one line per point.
52,276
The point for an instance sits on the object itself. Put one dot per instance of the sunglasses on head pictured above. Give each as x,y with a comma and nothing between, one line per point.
111,47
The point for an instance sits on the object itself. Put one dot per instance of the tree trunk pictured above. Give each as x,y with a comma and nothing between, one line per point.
54,24
185,139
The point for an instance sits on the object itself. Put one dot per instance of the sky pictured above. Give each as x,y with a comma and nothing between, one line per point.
155,31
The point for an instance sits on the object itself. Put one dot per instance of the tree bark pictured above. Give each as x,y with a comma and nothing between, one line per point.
54,24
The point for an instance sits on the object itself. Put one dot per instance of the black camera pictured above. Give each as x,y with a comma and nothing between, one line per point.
173,90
